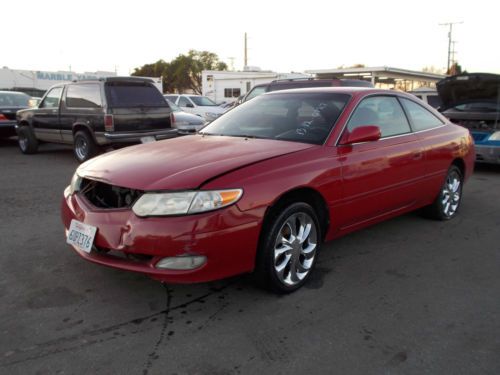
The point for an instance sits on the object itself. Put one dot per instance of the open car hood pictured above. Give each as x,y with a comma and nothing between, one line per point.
467,88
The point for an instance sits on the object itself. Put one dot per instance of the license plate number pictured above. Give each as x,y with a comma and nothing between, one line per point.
148,139
81,235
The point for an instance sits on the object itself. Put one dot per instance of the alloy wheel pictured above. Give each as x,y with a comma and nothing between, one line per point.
295,248
451,194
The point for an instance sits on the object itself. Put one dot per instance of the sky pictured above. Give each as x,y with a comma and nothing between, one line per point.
283,36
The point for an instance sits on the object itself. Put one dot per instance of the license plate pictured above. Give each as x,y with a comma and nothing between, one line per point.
148,139
81,235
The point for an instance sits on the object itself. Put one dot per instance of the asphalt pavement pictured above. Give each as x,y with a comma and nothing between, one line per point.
408,296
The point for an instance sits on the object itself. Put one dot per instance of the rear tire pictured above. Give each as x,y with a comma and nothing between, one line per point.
447,203
27,141
84,146
288,248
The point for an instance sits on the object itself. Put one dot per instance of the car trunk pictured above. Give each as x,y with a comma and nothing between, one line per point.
137,107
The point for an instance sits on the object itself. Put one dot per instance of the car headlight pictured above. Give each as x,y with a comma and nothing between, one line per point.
211,115
184,203
495,136
75,184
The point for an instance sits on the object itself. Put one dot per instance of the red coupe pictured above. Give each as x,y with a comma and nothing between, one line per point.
263,186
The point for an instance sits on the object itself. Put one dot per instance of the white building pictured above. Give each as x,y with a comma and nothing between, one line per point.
227,86
36,82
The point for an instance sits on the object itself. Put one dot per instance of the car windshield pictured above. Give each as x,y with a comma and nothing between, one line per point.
174,107
202,101
11,99
296,117
478,107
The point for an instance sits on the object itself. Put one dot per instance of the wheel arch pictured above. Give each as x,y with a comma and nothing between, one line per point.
80,126
460,164
301,194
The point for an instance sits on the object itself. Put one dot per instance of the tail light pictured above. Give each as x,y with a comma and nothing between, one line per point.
109,123
2,117
172,120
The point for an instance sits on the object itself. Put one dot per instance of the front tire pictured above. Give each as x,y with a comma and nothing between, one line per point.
28,144
447,203
289,248
84,146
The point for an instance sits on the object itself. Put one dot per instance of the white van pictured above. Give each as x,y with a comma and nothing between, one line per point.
428,95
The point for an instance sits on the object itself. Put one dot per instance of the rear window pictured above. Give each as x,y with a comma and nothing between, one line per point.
8,99
134,94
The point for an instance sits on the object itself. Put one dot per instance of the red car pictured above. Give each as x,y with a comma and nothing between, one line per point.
263,186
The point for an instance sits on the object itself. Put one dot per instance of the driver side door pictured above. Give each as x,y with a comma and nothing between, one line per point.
380,177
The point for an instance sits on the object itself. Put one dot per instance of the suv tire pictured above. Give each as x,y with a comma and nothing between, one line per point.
84,146
27,141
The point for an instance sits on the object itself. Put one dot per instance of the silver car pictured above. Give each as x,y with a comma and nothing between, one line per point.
186,123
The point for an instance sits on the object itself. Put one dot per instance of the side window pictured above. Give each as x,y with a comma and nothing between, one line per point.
383,111
421,118
256,91
172,98
52,99
183,102
83,96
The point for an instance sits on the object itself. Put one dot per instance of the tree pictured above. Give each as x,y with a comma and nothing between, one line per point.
455,69
184,72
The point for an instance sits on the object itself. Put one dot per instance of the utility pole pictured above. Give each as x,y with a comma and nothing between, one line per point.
245,56
450,24
453,52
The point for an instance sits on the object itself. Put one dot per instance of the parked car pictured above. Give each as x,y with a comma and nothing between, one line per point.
95,113
295,83
262,187
428,95
198,105
10,103
473,101
185,123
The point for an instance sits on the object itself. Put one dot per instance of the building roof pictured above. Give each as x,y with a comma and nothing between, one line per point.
379,71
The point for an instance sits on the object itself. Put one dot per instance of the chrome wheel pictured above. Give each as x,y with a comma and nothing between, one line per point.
451,194
295,248
81,148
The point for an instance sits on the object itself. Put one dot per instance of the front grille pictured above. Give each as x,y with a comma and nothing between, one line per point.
107,196
130,257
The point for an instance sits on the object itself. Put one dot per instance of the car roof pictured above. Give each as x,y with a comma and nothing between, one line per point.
114,79
13,92
335,89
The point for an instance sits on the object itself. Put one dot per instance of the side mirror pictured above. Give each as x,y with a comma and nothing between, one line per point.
190,105
365,133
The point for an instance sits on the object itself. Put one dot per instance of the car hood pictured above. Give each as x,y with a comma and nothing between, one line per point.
466,88
182,163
